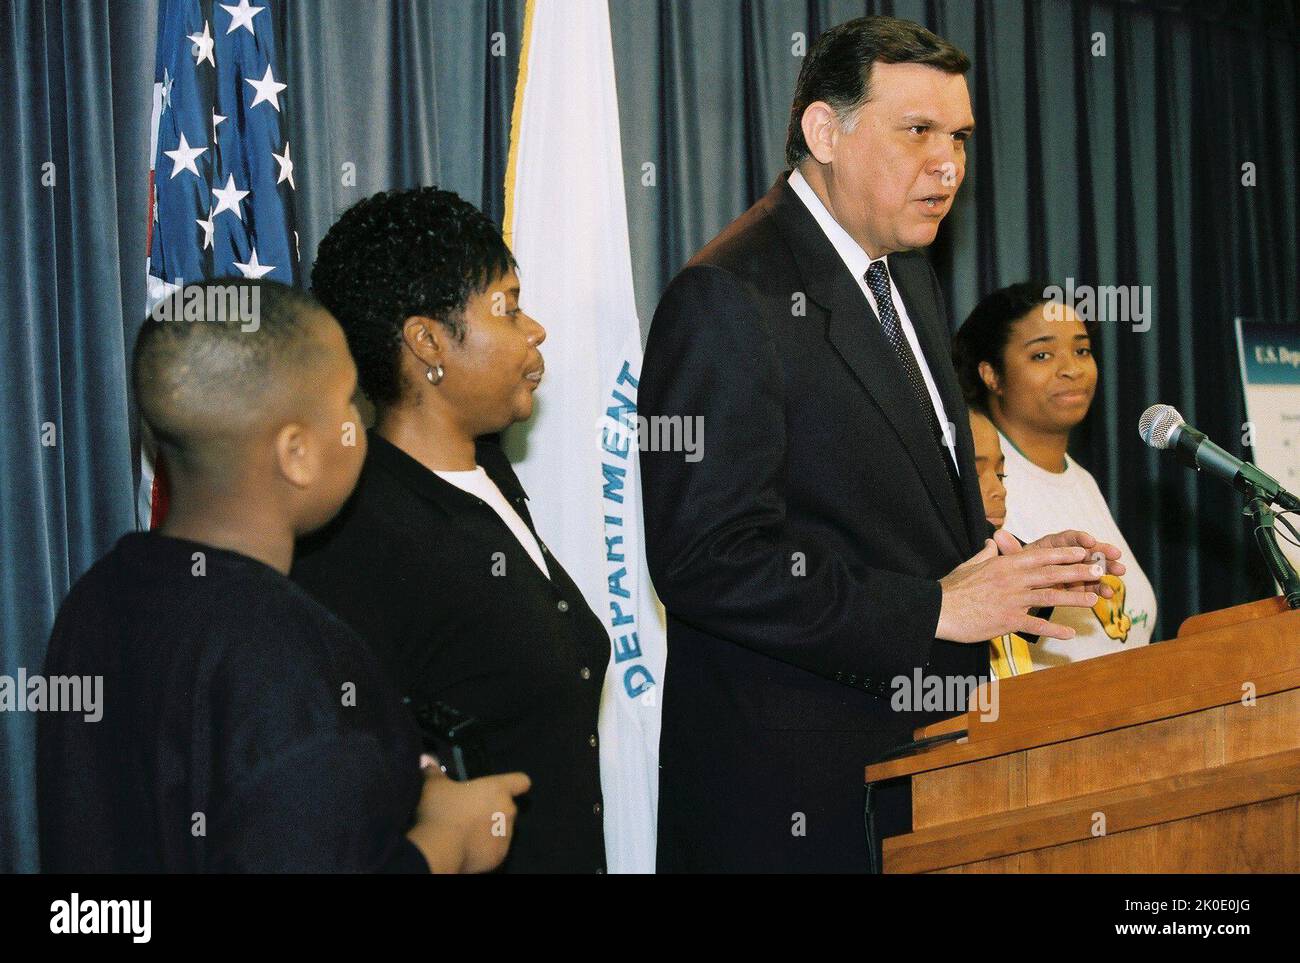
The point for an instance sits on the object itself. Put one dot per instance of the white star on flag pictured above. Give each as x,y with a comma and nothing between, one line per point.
183,157
286,166
208,228
242,16
160,290
268,89
167,89
228,198
203,43
252,269
216,119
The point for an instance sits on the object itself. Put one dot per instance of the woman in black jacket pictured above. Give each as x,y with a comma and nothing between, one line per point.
435,560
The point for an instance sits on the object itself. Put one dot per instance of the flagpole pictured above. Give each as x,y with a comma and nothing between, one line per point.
516,123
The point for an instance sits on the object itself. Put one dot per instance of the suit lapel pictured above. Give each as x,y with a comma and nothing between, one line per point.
931,331
854,332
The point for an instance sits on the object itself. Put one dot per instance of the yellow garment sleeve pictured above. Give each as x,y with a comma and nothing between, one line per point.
1009,655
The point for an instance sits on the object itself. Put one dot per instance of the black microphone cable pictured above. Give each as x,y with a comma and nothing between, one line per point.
874,854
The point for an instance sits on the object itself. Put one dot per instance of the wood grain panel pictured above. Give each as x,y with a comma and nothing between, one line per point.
1123,757
1006,864
1222,618
1259,838
960,792
1125,809
1272,724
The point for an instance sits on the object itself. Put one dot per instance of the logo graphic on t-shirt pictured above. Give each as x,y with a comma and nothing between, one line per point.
1115,622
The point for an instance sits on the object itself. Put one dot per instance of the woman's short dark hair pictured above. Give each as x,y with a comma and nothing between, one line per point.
985,333
837,69
403,253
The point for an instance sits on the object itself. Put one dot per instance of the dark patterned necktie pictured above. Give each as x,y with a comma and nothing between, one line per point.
878,281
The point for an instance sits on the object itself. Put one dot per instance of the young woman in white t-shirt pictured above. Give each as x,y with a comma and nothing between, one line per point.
1027,363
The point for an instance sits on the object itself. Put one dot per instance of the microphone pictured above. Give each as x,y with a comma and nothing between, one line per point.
1161,426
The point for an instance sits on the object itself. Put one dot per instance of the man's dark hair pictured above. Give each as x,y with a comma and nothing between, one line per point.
984,335
837,69
207,359
399,254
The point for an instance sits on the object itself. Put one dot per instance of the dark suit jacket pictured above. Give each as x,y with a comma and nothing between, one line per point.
442,590
799,558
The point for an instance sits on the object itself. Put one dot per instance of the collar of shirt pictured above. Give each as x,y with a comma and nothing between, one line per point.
487,453
857,261
1065,478
850,251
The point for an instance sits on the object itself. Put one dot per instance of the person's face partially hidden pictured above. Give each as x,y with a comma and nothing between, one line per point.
1049,375
989,465
335,424
894,177
491,374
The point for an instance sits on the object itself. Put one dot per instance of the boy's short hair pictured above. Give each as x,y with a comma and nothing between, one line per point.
209,356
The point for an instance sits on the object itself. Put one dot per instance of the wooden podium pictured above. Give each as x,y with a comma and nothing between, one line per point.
1178,757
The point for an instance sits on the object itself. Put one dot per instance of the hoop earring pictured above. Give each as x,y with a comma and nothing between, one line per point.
433,380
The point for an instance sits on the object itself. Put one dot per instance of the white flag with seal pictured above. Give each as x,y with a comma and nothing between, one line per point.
566,222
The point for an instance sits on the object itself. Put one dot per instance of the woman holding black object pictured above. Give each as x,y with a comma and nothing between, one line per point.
435,560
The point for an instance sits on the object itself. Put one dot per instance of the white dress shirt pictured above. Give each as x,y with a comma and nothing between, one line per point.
857,261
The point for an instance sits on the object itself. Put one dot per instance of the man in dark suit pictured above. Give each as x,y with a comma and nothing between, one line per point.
831,540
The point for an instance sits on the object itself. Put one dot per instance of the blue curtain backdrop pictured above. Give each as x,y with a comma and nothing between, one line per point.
75,116
1122,168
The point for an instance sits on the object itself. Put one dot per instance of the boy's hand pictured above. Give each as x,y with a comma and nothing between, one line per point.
466,827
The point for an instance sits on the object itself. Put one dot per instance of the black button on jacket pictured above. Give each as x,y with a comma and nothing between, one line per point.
458,612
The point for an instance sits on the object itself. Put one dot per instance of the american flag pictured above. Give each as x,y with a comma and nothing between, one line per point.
221,170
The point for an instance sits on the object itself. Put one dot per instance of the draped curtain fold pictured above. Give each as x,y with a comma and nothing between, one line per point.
392,95
1122,168
76,77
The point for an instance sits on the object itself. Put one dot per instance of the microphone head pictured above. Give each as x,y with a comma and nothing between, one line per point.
1158,424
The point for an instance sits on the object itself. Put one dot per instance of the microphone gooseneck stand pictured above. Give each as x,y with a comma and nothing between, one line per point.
1260,509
